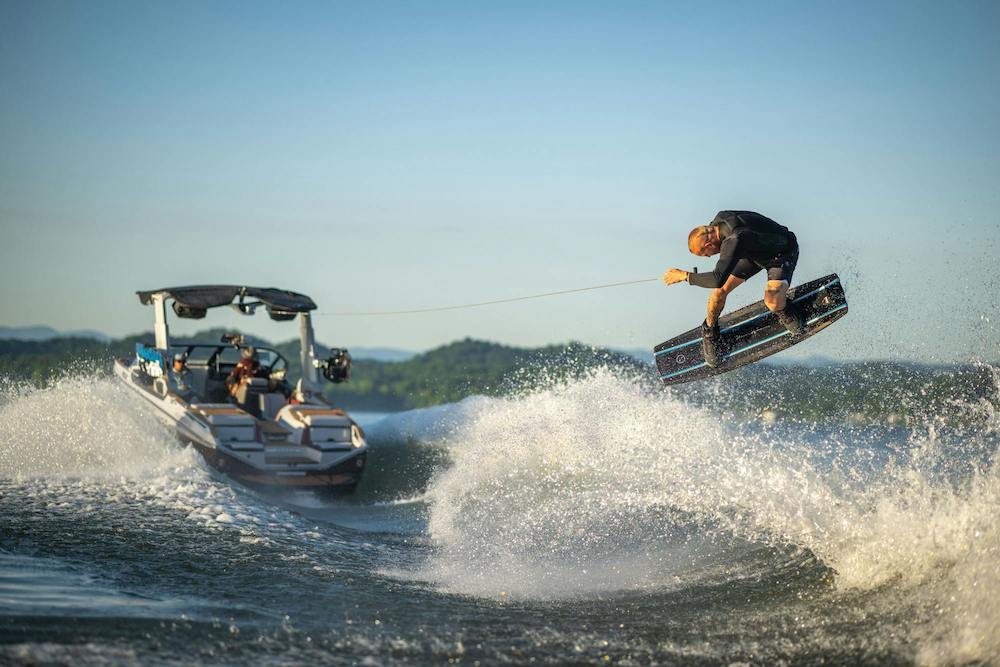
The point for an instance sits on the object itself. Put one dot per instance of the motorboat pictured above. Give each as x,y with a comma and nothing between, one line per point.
232,400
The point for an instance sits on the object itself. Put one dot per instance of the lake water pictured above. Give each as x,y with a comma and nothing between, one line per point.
591,522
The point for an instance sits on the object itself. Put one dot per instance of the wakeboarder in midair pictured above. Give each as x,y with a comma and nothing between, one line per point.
746,243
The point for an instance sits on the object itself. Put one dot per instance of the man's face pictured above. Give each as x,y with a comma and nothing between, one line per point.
178,365
706,245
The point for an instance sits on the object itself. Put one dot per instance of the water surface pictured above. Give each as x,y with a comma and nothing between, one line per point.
589,522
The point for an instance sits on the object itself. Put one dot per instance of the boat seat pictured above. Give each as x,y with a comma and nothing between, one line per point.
249,393
271,403
215,391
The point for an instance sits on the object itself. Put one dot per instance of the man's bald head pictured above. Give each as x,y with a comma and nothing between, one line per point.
703,241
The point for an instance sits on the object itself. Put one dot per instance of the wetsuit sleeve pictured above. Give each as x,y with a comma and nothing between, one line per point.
723,268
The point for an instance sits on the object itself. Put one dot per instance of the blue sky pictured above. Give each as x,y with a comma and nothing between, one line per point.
385,155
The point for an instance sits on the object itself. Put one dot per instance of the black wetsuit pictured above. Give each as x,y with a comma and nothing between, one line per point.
750,242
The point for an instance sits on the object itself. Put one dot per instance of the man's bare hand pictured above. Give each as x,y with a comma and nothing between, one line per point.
674,276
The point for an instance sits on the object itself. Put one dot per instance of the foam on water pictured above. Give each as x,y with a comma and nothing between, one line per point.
86,442
81,426
598,485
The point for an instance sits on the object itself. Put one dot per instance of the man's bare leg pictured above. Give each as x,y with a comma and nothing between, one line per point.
776,300
775,295
710,337
717,299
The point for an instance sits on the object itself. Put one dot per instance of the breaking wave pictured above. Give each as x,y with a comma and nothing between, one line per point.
87,443
83,427
599,485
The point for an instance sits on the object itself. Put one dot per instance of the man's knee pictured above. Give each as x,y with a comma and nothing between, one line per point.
777,286
774,294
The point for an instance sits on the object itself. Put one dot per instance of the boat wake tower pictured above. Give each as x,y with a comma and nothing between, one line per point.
249,422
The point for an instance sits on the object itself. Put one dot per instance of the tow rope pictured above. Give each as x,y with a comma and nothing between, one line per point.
486,303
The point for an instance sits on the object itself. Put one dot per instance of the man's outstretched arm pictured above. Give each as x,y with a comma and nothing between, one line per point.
716,278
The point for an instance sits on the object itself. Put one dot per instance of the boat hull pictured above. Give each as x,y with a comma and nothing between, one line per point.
341,477
281,465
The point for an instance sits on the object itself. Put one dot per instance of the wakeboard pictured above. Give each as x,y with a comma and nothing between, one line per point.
752,333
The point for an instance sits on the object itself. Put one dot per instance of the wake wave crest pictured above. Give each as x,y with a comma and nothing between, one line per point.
81,427
599,484
86,445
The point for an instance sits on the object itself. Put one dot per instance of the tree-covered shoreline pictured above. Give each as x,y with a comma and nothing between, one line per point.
884,392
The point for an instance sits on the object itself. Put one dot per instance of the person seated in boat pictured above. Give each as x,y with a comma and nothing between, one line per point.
180,377
245,370
297,396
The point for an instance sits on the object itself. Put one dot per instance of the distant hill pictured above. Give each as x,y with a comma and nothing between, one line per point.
44,333
448,373
468,367
381,353
639,354
893,392
812,361
41,332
